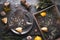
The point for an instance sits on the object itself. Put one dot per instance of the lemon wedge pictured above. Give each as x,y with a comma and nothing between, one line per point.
43,14
37,38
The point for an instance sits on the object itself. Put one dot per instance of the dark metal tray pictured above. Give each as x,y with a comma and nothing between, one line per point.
52,13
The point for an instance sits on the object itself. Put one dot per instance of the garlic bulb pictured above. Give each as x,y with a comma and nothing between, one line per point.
19,29
45,29
4,20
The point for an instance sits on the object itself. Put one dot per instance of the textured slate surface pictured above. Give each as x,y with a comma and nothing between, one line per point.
8,35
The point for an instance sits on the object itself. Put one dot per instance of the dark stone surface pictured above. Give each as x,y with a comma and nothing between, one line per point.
6,34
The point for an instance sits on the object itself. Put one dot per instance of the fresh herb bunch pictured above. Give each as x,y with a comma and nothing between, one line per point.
43,4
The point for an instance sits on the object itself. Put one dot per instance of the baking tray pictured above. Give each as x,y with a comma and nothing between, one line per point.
52,13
